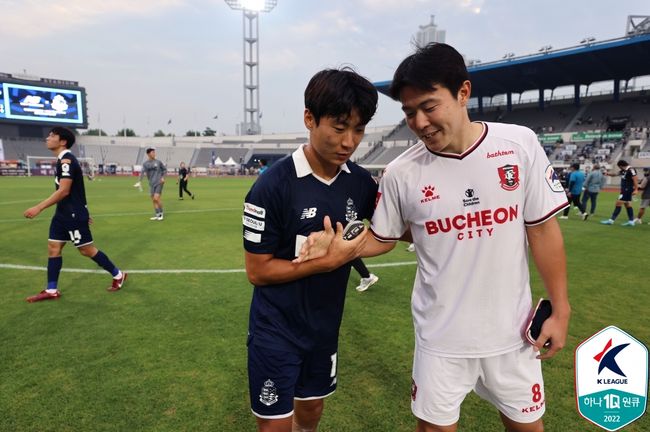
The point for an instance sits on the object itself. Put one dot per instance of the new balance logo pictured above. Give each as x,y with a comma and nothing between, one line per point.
308,213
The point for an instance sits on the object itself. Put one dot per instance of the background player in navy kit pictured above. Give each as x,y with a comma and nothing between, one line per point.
629,187
155,171
467,316
71,219
296,309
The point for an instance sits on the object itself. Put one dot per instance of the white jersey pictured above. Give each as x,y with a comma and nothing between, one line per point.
467,214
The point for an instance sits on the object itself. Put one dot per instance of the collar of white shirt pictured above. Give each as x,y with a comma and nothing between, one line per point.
303,168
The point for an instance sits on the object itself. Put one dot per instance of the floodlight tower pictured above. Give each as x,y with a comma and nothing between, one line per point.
250,12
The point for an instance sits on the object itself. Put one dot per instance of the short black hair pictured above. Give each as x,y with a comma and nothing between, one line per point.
622,163
575,166
436,63
150,149
337,92
64,134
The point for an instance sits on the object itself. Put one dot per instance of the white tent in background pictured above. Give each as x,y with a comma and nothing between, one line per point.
230,162
218,161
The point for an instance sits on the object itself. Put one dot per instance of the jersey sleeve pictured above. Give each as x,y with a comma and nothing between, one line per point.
262,219
387,222
65,169
369,204
544,194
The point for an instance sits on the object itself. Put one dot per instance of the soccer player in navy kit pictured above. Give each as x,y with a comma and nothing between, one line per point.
71,219
629,187
296,309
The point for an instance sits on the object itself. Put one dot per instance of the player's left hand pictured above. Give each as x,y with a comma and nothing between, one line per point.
554,331
317,243
31,212
90,220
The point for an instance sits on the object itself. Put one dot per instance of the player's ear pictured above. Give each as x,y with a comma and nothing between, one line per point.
464,92
310,122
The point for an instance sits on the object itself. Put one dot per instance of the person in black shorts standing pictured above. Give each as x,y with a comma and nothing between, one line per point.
183,178
629,187
296,309
71,220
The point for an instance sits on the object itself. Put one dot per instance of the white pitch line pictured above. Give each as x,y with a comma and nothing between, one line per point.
101,215
170,271
18,202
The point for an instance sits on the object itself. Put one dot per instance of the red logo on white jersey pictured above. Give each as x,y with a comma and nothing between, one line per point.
509,177
429,194
377,199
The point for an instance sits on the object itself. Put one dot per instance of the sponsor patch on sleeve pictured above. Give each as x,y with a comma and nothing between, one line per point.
553,180
254,210
253,237
65,168
253,223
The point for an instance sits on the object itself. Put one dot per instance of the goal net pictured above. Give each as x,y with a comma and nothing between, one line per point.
45,165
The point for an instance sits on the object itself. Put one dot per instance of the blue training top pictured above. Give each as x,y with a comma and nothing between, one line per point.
288,202
576,180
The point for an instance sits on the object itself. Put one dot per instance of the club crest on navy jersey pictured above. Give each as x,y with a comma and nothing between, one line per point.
509,177
269,394
350,210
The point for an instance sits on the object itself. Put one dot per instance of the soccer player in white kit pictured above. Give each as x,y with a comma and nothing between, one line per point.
474,196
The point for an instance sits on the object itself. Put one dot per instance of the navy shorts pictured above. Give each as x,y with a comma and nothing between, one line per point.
77,232
625,196
276,378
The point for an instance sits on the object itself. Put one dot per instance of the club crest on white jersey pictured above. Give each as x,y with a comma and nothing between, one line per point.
509,177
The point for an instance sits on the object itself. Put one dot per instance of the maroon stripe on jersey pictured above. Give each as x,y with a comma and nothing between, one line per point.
466,152
384,239
548,216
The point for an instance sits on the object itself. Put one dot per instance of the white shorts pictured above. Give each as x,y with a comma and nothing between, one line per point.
512,382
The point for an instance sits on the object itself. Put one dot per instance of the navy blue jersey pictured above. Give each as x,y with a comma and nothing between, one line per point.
280,210
72,207
627,180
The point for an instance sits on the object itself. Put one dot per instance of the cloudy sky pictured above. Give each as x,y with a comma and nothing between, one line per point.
144,62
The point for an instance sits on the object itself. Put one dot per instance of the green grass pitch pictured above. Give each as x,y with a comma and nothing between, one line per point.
167,353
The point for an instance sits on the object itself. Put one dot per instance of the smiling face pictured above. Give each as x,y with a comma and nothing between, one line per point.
332,141
438,117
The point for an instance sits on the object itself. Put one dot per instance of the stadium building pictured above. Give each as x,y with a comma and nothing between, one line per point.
573,123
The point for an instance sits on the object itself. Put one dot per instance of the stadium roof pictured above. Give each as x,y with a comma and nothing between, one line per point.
616,59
